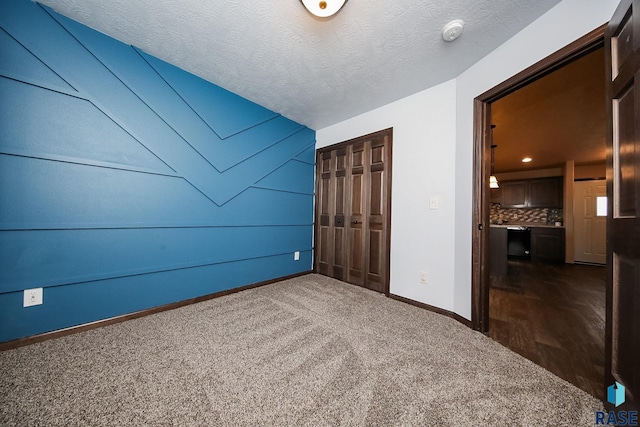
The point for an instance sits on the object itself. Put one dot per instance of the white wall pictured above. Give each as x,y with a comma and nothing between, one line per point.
423,161
565,23
433,156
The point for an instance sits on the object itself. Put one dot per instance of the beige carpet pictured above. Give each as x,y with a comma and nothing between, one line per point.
306,351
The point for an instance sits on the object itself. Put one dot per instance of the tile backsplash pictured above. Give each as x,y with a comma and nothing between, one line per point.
500,215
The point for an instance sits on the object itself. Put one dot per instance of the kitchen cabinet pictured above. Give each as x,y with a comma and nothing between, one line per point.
532,193
547,244
513,194
494,194
498,251
545,193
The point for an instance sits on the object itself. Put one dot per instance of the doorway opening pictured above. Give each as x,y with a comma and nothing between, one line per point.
514,308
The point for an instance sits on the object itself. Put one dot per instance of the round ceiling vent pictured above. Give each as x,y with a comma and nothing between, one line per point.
452,30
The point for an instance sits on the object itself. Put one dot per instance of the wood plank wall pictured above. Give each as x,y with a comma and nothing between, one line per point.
128,183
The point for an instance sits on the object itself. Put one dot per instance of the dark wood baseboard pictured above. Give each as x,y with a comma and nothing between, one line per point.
21,342
422,305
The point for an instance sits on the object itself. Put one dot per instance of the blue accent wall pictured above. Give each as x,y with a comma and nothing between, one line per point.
127,183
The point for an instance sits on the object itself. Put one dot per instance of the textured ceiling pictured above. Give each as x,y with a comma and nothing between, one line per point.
315,71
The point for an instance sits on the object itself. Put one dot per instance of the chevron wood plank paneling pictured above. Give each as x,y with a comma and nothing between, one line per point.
308,155
44,130
128,183
280,179
149,250
191,121
103,299
227,117
43,194
24,65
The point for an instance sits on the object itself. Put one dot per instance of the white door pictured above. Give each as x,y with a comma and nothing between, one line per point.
590,221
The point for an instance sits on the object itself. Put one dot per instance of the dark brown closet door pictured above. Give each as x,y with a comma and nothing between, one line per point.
353,211
378,199
330,232
356,240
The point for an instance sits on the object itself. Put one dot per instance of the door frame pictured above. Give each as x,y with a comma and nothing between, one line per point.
388,132
482,163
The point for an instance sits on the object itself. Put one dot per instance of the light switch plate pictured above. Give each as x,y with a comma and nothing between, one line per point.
434,203
32,297
296,256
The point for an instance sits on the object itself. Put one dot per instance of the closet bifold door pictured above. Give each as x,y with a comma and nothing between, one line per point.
339,217
352,212
330,213
356,227
378,204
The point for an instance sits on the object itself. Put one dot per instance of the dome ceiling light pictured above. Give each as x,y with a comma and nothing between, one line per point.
323,8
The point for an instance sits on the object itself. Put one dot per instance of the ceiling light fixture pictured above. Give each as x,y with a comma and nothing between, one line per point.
323,8
526,160
453,30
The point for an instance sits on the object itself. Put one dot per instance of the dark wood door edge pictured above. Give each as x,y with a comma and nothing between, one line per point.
622,345
21,342
480,262
481,151
451,314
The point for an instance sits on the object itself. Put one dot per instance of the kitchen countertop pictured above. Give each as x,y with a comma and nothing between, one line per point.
526,224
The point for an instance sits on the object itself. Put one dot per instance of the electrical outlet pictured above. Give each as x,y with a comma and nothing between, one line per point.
296,256
32,297
423,277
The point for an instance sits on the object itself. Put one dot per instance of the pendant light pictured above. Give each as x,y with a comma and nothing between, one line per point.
493,181
323,8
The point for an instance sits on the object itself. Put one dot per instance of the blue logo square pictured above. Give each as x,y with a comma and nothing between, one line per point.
615,394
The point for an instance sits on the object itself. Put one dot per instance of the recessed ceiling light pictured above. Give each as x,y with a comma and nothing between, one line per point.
526,160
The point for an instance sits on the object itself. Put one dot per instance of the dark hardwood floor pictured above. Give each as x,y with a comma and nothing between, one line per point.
554,315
